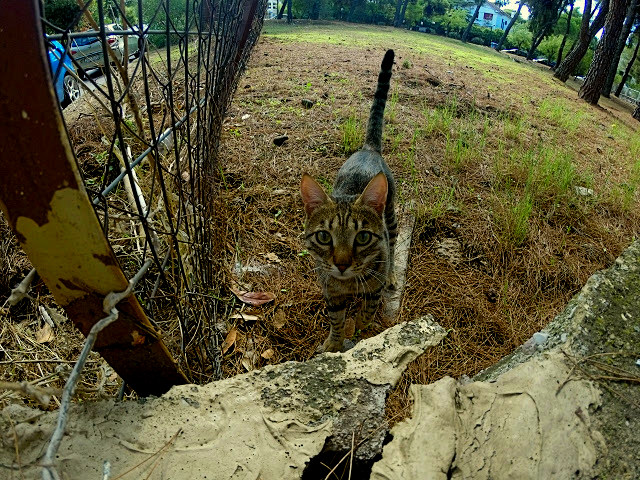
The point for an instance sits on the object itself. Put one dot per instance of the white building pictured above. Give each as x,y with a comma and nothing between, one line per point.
272,8
490,16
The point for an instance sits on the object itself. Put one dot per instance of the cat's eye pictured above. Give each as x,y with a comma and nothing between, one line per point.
323,237
362,238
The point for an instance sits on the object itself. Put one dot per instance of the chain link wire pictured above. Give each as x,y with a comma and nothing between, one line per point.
146,132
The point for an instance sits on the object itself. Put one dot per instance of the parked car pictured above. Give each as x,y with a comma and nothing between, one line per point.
87,51
136,46
65,83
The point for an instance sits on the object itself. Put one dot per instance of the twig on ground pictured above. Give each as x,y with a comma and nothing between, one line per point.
353,441
41,394
164,447
46,317
21,290
617,374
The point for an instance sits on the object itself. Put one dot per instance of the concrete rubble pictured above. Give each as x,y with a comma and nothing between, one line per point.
264,424
543,412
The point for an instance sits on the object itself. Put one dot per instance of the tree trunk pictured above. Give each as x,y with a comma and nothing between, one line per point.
403,12
636,112
467,30
289,14
544,31
315,10
571,61
281,12
622,41
396,17
564,39
511,24
602,58
537,40
627,70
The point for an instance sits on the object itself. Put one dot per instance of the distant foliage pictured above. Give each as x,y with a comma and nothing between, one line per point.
453,21
154,10
520,36
61,13
64,13
549,47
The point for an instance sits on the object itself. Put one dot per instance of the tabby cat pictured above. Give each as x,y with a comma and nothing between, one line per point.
352,233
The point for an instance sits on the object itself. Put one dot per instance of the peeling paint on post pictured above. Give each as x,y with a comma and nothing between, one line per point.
43,199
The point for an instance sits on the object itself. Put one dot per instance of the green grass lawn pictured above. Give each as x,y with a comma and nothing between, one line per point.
488,150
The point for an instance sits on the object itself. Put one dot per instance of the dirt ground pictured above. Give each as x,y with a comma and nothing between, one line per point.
457,135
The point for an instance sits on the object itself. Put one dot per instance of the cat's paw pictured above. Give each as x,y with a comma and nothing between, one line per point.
392,281
362,322
329,346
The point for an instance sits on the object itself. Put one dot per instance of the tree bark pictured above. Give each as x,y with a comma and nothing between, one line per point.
281,12
627,70
401,10
289,14
474,17
564,38
602,58
622,41
571,61
544,31
315,10
511,24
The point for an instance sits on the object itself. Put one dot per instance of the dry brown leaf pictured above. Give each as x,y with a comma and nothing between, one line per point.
279,319
230,340
249,360
254,298
272,257
267,354
45,334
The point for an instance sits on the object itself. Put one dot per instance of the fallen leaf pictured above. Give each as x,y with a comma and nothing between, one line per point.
45,334
230,340
272,257
249,360
279,319
254,298
267,354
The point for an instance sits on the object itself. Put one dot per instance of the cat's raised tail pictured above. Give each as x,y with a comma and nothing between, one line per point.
374,128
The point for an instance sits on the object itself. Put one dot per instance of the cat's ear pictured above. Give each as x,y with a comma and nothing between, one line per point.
312,194
375,194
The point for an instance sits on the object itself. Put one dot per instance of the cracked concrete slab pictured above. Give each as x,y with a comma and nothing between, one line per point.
520,426
545,411
265,424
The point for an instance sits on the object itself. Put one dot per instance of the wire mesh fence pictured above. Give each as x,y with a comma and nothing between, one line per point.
146,84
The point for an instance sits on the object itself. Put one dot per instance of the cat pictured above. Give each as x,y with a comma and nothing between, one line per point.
351,234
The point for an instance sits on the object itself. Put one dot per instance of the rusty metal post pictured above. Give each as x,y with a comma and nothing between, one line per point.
44,200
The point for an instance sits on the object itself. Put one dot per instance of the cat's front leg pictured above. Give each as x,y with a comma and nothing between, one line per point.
334,341
370,304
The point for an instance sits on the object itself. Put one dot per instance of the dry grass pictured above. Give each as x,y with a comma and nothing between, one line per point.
488,149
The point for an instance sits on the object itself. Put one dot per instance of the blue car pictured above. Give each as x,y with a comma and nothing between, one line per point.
65,84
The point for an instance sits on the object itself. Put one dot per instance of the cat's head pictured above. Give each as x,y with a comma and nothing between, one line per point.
346,236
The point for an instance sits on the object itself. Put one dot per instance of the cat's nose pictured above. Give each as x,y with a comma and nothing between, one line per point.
342,267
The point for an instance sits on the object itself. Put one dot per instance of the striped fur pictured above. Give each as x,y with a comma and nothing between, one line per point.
352,233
